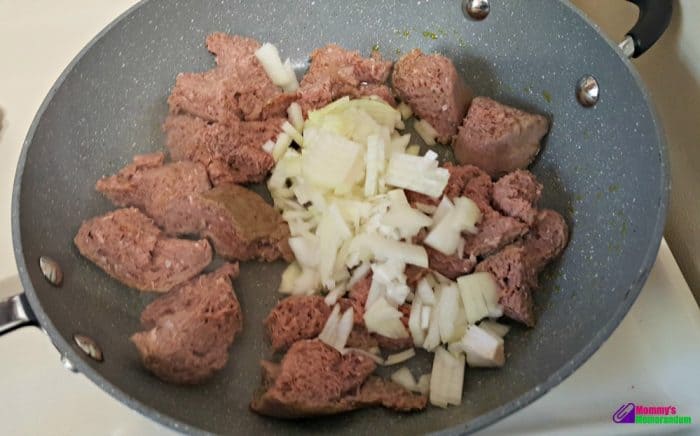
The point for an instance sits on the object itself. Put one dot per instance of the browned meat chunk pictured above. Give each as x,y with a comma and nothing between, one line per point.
494,233
151,185
128,246
240,224
498,138
436,93
547,239
415,274
516,194
450,266
296,318
237,89
303,317
335,72
189,330
517,278
231,153
314,379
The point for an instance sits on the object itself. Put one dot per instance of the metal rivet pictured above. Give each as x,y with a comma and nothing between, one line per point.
476,9
68,364
89,347
51,270
587,91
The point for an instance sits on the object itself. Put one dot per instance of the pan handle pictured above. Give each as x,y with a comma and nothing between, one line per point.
654,17
15,312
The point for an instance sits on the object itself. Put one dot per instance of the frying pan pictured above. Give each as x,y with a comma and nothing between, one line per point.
604,167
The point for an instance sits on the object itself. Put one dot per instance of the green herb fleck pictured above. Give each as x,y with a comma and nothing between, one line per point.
441,31
462,43
586,134
623,229
598,195
547,96
375,47
557,288
398,52
430,35
613,188
578,198
527,89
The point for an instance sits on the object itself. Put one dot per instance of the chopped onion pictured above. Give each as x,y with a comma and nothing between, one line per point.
292,83
397,358
359,273
446,378
447,310
427,133
268,146
305,249
337,328
413,150
425,292
417,174
495,327
385,320
406,111
426,208
384,249
480,294
269,58
403,217
445,236
484,344
296,117
289,278
425,313
293,133
423,385
415,323
334,294
399,144
432,339
397,293
331,161
404,378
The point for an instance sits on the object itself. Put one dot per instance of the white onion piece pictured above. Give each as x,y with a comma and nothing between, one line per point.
427,132
495,327
413,150
305,249
443,208
484,344
480,294
385,320
404,378
292,84
359,273
446,378
289,278
269,58
332,298
423,385
417,174
329,331
293,133
405,110
394,359
414,323
446,235
425,313
425,292
428,209
384,249
447,310
432,339
399,144
397,293
296,117
268,146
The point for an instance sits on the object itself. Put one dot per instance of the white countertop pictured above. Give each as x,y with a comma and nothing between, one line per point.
652,358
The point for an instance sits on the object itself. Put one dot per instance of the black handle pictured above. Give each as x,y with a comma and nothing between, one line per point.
654,16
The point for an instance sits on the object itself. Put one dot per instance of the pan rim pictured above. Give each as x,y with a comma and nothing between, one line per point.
497,414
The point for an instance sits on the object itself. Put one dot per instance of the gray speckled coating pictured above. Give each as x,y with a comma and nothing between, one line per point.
605,168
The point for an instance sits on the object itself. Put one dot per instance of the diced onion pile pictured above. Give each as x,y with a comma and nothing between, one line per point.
341,192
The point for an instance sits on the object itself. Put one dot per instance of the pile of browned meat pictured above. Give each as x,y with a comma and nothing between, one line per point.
217,123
